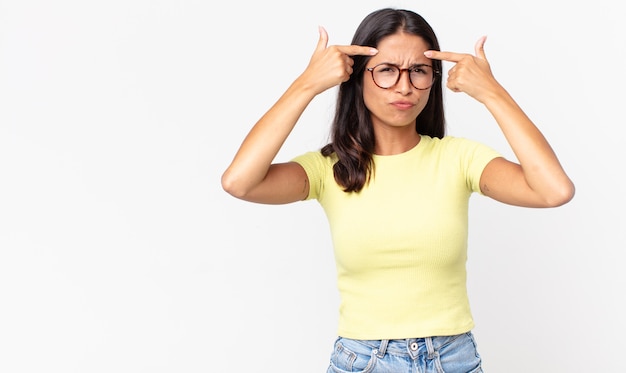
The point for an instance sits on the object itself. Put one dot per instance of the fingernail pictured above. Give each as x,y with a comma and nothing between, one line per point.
373,51
428,54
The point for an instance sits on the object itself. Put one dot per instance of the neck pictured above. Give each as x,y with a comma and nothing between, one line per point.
396,142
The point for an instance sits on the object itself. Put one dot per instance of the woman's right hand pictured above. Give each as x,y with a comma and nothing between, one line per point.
251,175
331,65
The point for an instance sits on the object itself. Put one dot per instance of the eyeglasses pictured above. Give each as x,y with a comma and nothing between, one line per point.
386,75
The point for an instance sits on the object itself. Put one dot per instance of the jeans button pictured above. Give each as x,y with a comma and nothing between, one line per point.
414,346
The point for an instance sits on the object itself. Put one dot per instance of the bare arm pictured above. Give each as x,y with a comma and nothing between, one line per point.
251,175
539,179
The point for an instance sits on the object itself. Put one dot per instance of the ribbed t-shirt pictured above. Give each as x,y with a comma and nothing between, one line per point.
400,244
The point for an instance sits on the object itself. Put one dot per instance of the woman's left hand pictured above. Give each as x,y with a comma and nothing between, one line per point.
470,74
538,180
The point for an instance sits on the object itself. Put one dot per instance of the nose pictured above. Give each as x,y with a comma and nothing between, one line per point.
404,85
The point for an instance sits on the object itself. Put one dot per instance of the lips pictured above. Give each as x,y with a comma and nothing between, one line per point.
402,105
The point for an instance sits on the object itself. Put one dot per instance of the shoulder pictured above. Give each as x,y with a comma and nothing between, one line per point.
459,145
315,157
447,144
315,163
464,152
319,170
454,141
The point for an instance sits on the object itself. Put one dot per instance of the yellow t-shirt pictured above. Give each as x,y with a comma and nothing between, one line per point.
400,244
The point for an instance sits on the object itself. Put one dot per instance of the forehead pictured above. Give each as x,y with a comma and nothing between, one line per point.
401,48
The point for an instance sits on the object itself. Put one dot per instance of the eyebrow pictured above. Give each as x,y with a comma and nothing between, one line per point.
412,65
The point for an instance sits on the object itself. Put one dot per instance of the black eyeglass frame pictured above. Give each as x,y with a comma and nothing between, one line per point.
436,74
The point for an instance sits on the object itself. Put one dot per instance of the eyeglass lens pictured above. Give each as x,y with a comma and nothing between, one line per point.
387,75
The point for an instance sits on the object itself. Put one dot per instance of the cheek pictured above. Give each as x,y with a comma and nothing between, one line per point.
424,95
371,97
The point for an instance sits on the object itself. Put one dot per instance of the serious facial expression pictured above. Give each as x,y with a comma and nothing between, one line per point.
400,104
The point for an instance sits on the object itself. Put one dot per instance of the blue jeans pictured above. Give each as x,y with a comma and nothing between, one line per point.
451,354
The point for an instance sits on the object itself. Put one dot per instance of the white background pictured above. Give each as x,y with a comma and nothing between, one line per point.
120,252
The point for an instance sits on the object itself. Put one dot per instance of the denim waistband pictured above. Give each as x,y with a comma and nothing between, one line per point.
412,346
409,346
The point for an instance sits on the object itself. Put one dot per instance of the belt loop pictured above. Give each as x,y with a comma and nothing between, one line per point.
430,348
382,349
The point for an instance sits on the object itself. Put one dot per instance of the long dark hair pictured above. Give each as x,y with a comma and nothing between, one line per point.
352,133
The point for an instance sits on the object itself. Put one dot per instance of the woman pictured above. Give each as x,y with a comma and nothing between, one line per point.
396,189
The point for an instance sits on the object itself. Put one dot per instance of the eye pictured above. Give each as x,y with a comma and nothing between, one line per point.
388,69
420,69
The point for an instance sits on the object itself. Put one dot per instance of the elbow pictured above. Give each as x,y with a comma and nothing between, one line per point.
562,195
232,186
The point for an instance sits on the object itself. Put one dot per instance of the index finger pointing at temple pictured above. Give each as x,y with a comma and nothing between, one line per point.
357,50
444,56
